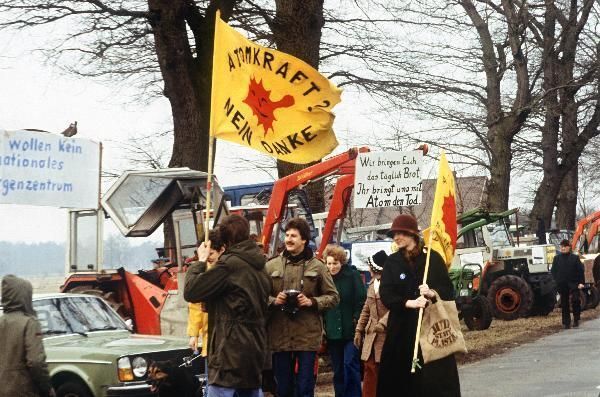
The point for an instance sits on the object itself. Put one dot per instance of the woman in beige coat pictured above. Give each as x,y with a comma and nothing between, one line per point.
371,326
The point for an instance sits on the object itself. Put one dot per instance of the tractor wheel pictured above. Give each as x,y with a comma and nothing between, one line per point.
596,270
544,304
511,297
583,298
593,298
480,317
110,298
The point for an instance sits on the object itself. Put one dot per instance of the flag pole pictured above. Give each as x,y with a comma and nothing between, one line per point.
415,360
211,137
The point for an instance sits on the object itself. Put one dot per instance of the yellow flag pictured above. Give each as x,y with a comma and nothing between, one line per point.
270,101
443,226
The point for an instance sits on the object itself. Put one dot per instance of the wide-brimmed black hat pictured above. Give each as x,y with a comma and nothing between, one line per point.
376,261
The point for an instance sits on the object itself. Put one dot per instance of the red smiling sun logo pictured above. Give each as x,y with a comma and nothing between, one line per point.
259,100
449,218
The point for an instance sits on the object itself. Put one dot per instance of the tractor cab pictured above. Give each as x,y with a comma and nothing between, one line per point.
138,203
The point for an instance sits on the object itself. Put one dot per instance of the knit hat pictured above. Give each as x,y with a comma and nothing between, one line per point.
404,223
376,261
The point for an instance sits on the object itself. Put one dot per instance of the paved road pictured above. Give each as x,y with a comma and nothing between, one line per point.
564,364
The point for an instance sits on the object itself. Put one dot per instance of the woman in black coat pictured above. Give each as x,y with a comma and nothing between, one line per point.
401,291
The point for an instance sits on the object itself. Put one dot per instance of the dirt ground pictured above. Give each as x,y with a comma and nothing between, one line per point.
501,336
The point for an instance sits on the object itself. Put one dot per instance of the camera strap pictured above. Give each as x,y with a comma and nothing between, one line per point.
285,286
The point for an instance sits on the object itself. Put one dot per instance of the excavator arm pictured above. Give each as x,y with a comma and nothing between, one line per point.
580,234
342,165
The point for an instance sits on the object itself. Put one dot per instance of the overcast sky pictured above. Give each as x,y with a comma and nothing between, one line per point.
37,95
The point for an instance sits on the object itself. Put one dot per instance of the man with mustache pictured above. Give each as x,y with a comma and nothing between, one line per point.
301,290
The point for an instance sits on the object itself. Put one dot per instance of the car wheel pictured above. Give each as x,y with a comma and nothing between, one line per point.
73,389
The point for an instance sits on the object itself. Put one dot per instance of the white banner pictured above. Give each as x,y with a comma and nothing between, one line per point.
388,179
39,168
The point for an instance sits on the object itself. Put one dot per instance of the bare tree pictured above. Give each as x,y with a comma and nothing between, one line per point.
465,69
571,82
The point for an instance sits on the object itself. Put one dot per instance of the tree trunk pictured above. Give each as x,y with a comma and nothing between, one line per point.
297,31
500,166
566,204
187,78
502,125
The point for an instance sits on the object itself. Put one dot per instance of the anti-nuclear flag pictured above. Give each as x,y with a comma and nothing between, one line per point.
443,226
269,100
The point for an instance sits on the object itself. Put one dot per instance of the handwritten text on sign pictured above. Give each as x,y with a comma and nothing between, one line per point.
39,168
388,179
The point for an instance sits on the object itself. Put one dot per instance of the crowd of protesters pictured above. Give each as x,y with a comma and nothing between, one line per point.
270,318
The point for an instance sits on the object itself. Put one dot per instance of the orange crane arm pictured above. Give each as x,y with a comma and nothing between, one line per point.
341,164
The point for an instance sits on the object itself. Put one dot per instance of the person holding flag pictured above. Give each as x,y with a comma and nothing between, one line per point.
404,292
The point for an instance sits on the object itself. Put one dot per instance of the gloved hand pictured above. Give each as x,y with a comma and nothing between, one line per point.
358,339
379,328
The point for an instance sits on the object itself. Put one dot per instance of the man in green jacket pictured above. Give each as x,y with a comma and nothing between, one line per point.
301,290
235,292
23,368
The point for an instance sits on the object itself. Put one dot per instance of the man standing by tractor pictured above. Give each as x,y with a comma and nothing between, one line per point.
568,273
301,290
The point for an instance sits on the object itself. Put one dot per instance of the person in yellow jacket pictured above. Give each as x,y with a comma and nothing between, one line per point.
197,316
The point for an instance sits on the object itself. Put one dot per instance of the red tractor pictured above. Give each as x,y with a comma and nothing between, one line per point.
138,203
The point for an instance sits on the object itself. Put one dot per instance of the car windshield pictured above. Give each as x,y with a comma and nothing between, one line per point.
76,314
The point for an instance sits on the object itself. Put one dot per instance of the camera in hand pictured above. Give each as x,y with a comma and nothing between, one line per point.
291,303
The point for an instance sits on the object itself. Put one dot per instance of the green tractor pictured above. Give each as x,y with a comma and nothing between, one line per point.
473,307
515,279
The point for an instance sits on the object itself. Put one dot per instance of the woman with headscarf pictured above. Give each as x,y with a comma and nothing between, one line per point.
23,368
371,326
403,293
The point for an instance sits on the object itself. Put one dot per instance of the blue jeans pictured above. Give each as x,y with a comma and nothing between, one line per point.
302,383
218,391
346,368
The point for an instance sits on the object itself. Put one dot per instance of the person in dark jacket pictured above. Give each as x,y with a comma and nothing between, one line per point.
23,368
235,292
403,294
568,274
341,320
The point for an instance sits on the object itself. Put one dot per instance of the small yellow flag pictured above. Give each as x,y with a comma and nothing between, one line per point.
443,226
270,101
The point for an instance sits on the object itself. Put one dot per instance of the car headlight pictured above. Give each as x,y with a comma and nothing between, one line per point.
124,368
140,366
